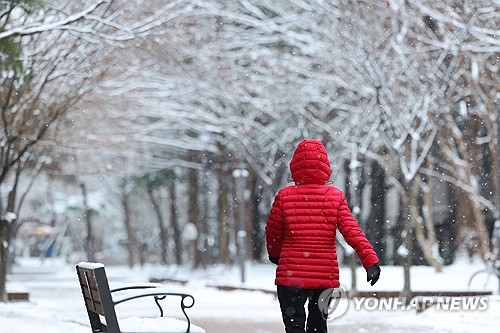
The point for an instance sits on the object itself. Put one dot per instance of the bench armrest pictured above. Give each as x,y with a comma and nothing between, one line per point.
144,285
133,292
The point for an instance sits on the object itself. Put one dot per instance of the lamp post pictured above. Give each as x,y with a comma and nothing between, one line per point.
241,174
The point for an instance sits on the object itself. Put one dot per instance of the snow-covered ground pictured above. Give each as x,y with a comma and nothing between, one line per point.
56,304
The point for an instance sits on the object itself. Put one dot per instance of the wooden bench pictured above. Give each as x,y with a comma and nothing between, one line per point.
100,302
18,296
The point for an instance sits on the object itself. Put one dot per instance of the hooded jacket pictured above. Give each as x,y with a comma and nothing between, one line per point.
301,228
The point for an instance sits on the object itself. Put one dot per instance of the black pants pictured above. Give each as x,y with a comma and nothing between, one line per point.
292,304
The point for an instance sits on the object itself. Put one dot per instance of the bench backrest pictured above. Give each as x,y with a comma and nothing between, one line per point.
97,296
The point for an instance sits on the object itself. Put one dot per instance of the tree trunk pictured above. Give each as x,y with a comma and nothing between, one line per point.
472,232
7,227
131,239
496,168
353,191
205,247
161,227
479,223
375,226
175,224
258,236
90,247
476,221
223,217
249,199
194,211
5,231
424,228
407,251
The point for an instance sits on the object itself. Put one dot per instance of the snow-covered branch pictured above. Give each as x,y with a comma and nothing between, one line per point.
108,20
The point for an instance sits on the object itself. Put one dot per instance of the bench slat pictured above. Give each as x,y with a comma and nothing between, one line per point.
99,301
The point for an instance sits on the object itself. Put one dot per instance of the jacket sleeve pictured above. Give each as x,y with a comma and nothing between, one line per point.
275,228
354,236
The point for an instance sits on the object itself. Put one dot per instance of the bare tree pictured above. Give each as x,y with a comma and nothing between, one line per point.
458,36
54,51
240,81
28,116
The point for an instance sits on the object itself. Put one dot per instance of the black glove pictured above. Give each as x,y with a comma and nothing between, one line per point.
372,274
274,260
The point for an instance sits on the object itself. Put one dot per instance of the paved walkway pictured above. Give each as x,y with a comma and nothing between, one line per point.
223,326
230,326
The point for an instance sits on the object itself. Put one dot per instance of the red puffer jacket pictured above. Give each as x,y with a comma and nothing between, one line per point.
302,224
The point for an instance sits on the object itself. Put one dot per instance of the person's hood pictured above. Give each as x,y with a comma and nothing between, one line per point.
310,163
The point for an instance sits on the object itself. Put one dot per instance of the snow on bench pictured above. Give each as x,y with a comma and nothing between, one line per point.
100,302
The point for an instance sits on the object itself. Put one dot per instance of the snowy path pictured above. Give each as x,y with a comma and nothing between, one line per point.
223,326
237,311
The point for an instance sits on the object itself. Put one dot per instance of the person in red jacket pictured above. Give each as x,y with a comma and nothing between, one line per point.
301,237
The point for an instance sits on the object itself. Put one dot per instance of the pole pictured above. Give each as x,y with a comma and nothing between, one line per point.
240,175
